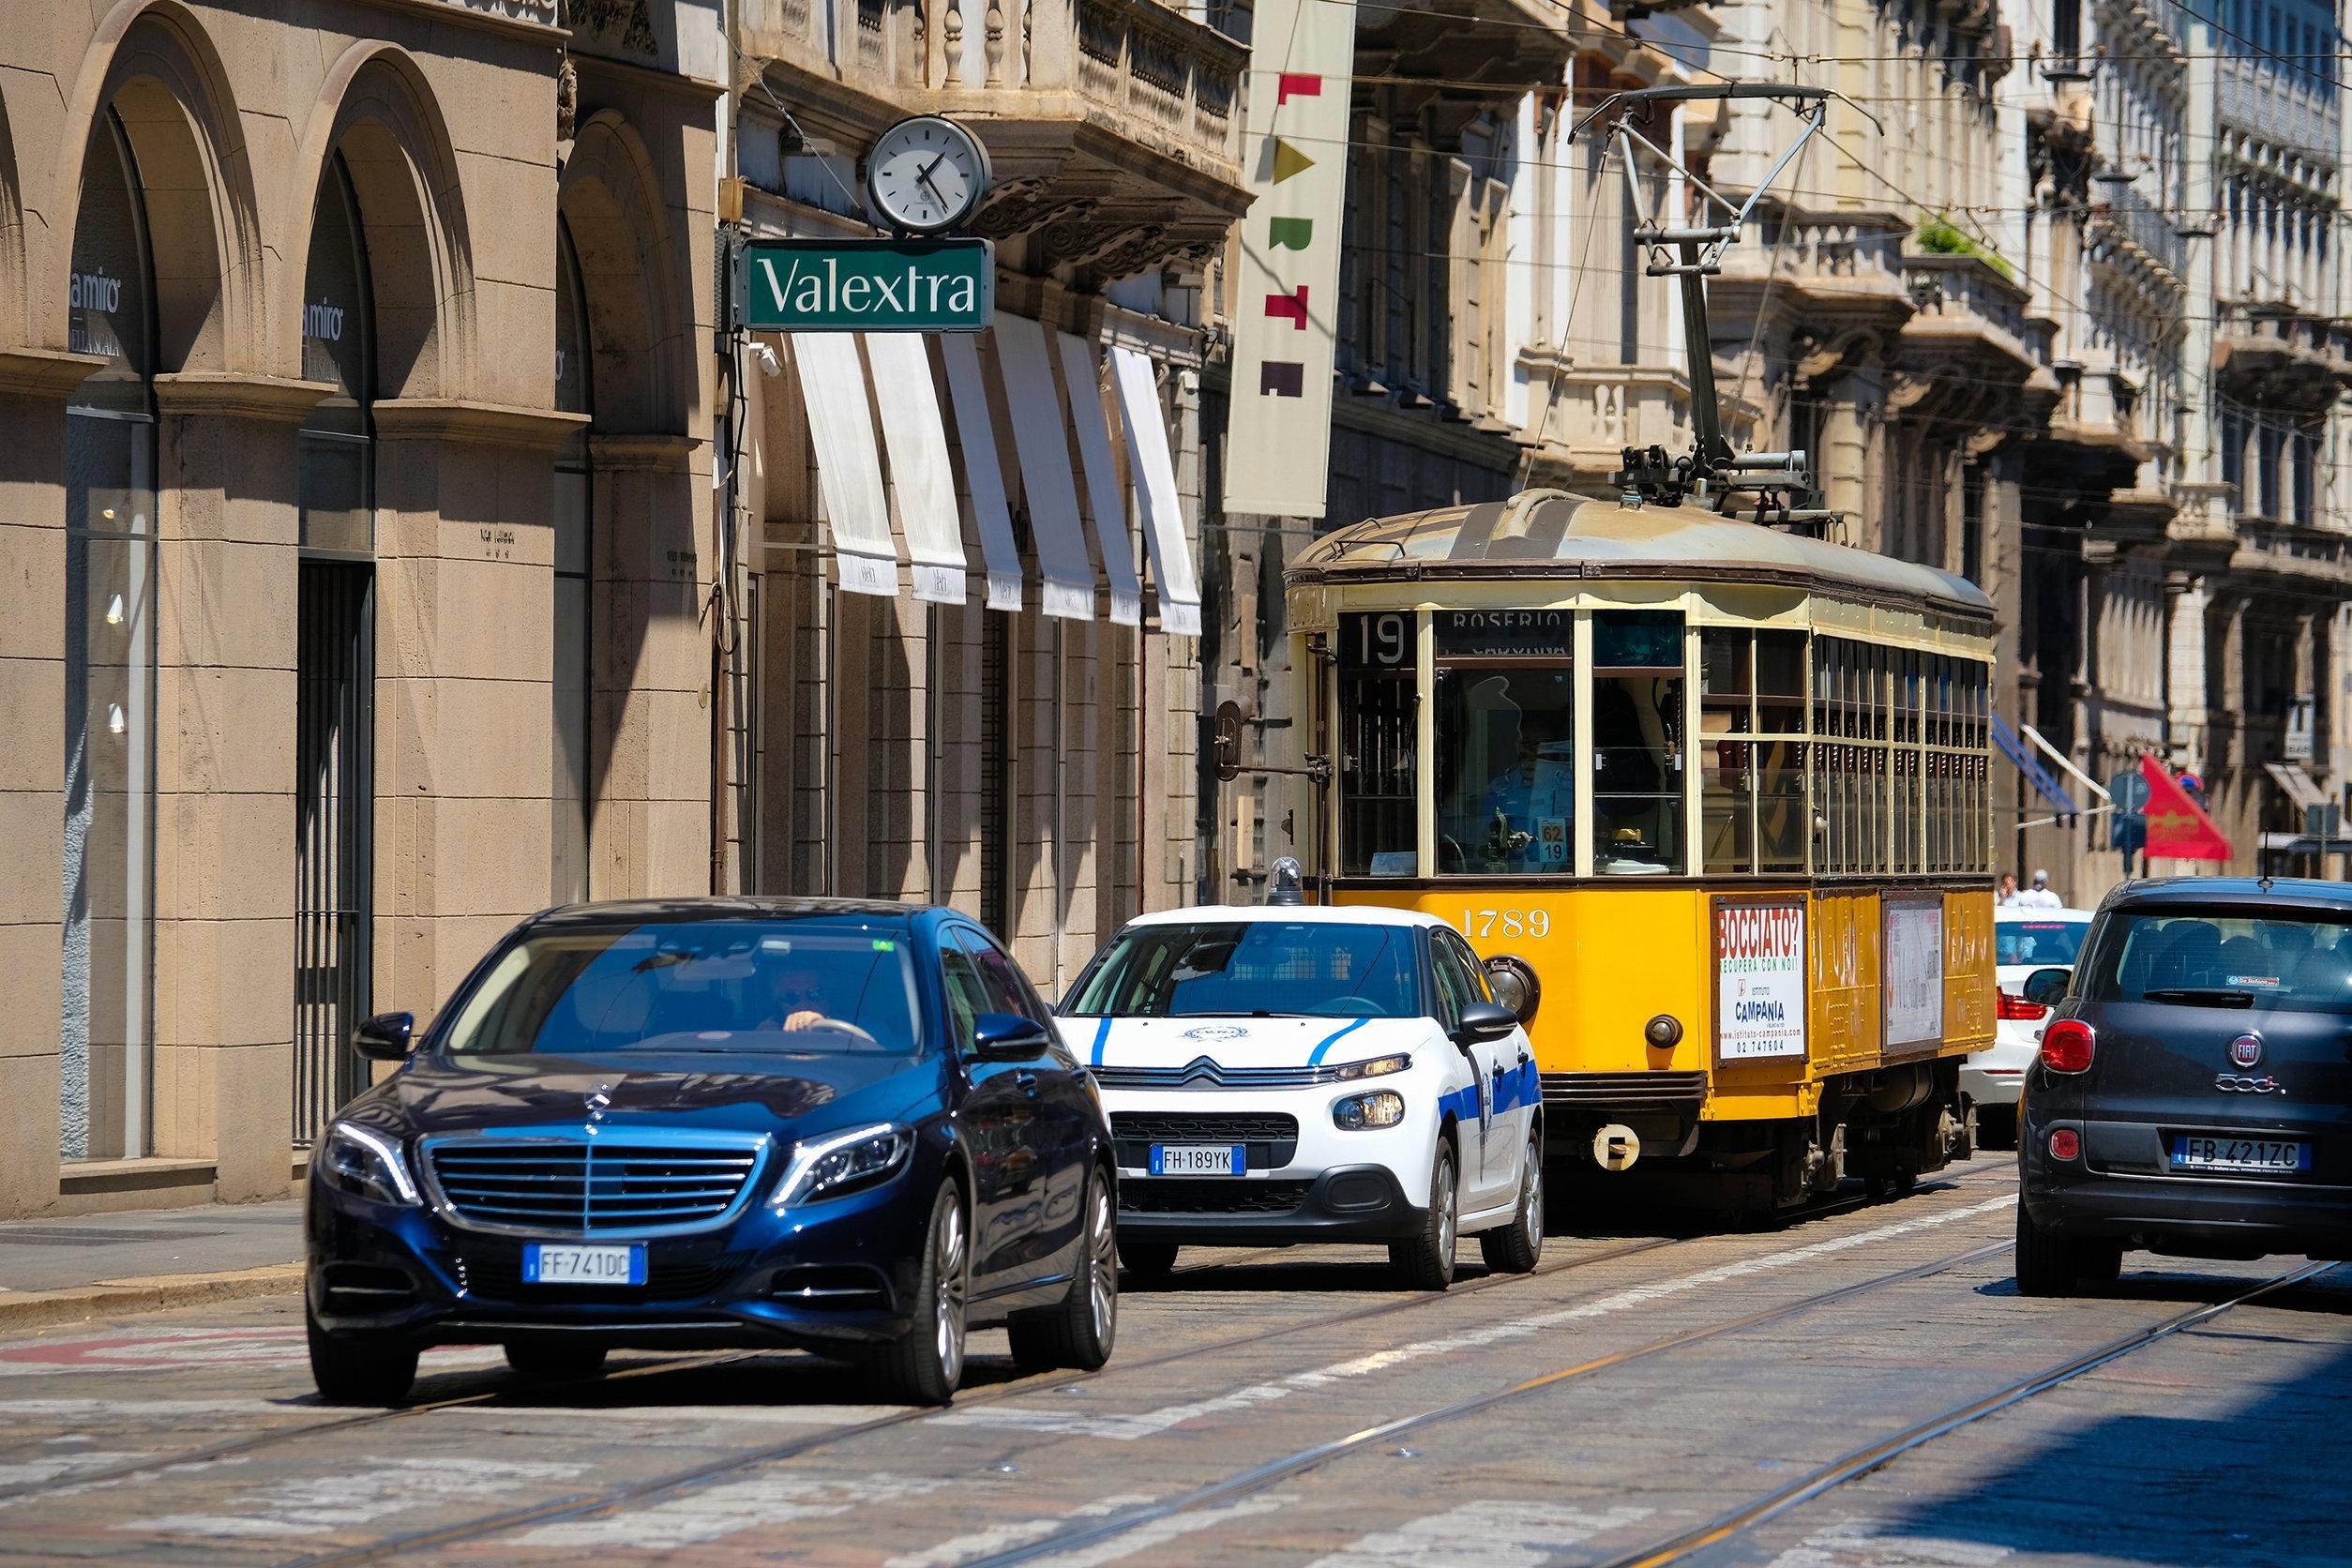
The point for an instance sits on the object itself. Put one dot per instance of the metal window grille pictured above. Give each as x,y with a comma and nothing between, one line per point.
334,812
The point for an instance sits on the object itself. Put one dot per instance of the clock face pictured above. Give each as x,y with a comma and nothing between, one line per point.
926,174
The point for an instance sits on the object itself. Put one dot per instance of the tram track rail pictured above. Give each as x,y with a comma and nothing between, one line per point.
507,1392
1258,1477
587,1505
1876,1455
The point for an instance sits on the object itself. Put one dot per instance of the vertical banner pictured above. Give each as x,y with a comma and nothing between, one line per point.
1286,298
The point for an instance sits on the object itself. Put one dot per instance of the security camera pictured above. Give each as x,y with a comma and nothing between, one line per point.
769,364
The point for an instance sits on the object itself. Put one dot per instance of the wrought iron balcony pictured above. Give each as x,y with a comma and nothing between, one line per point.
2123,217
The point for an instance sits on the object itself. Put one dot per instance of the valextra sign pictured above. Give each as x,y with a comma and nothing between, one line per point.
869,285
1287,294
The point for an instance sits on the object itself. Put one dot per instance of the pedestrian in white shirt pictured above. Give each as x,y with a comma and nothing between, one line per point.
2039,896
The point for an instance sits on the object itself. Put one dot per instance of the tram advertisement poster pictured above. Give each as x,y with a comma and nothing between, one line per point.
1914,965
1759,978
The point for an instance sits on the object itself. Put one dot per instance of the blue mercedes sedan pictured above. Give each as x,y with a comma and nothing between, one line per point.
844,1127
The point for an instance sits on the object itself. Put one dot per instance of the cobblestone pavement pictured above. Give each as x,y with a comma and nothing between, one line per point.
1282,1408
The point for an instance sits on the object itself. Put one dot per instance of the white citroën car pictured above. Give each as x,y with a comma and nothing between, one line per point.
1284,1073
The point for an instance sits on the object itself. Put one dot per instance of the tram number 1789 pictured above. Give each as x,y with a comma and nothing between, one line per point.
1480,924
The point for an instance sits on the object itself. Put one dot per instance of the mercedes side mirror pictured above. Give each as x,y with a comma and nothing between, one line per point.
2047,986
386,1038
1485,1021
1008,1038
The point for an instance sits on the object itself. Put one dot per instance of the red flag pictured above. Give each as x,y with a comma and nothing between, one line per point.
2178,827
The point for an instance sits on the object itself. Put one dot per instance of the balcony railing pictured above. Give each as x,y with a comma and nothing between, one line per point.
1965,295
2279,106
1142,69
2121,206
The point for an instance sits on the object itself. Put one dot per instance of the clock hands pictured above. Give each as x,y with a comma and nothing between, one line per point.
923,179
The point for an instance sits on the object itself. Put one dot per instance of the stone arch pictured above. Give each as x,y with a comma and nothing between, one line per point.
12,257
152,62
376,107
611,196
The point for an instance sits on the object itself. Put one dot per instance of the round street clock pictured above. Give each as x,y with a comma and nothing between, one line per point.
925,175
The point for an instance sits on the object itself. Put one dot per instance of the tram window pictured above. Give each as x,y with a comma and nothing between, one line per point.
1377,713
1726,685
1783,823
1637,742
1780,682
1727,805
1506,766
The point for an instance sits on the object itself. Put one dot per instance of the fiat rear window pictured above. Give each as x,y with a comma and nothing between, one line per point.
2295,962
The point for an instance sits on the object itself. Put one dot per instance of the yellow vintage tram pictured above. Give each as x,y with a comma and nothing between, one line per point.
1714,795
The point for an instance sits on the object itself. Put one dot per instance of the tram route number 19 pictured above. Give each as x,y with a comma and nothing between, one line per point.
1384,641
1483,924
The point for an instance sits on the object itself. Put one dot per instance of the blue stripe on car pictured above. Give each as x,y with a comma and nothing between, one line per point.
1460,1104
1315,1058
1102,1034
1520,1086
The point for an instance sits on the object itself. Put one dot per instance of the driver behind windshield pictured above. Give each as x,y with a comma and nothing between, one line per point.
1532,803
792,994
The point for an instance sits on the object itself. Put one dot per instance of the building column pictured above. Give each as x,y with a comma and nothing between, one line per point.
2185,698
227,529
464,716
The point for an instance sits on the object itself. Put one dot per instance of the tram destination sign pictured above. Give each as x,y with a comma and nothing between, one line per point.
1505,633
868,285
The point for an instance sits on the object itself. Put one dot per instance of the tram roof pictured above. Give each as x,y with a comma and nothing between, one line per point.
1548,532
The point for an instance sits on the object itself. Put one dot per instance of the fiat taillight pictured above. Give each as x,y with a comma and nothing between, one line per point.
2066,1045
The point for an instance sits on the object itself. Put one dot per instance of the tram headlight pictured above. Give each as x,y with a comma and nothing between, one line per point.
1663,1031
1382,1107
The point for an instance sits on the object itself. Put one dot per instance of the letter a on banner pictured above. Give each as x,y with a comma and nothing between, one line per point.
1278,431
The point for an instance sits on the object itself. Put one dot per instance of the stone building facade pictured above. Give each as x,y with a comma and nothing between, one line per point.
2188,538
1018,737
354,514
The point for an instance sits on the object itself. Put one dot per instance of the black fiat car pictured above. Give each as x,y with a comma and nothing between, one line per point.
2193,1094
840,1126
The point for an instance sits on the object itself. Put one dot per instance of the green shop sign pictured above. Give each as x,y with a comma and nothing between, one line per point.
869,285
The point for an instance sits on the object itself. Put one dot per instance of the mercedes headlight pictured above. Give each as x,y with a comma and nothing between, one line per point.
365,1163
1382,1107
840,1163
1379,1066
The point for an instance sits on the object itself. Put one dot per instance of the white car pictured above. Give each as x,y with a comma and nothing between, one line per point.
1279,1074
2022,940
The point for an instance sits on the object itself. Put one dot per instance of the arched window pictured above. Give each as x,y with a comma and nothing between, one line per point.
337,482
104,1036
334,664
569,791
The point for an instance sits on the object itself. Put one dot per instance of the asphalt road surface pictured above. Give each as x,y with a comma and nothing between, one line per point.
1861,1385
